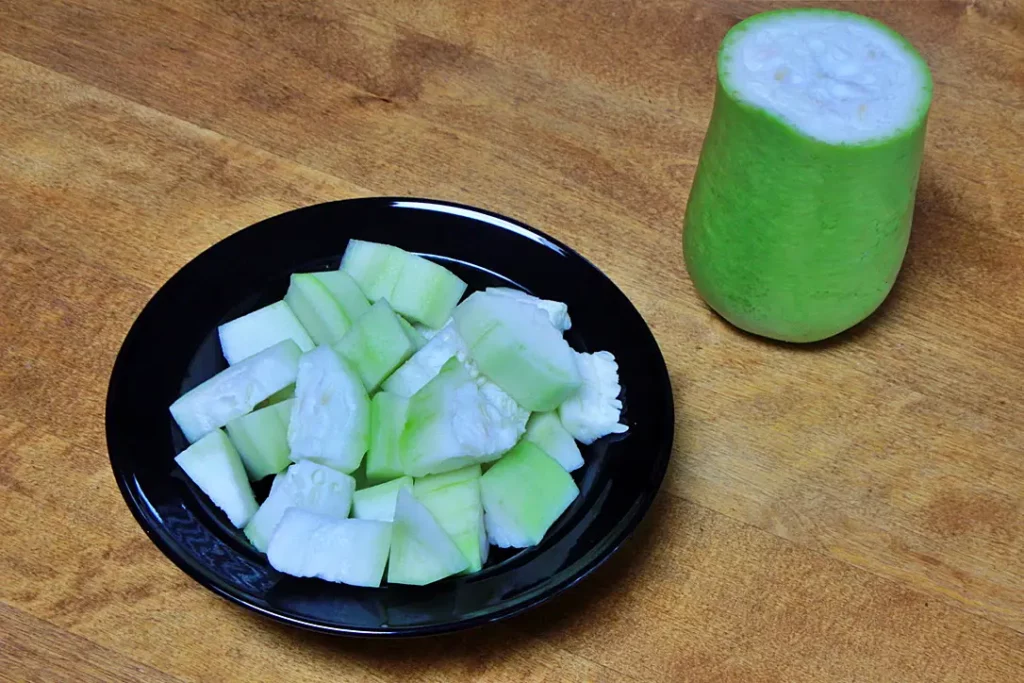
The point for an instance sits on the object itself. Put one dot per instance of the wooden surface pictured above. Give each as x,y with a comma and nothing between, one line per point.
851,512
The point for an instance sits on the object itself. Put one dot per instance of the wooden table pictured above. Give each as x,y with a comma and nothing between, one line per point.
852,511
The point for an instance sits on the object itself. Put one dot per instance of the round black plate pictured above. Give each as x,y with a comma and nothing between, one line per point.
173,346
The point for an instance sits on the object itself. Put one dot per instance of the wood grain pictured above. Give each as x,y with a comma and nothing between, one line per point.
851,511
32,651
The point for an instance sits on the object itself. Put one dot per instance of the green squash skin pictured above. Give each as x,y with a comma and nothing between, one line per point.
789,237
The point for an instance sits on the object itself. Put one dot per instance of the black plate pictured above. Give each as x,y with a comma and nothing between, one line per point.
173,346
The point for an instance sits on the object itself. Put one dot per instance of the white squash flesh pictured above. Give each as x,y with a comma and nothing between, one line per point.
235,391
330,421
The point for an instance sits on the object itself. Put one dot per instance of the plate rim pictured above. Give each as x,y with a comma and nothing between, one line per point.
212,583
